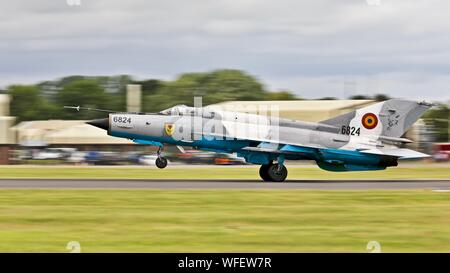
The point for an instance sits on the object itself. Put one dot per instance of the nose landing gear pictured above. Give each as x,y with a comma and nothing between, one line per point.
161,162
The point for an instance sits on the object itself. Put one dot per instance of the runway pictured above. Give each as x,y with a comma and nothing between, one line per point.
443,185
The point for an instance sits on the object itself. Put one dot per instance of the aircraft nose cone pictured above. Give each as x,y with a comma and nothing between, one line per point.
100,123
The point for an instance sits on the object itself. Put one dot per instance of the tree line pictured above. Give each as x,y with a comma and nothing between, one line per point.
46,99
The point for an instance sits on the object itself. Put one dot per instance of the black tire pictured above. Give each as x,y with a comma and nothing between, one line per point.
263,172
161,162
276,175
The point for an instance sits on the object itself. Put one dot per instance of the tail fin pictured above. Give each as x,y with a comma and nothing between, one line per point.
391,118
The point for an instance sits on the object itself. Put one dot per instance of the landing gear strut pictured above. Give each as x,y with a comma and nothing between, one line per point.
161,162
273,172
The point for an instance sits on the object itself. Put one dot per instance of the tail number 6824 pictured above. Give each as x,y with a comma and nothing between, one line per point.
350,130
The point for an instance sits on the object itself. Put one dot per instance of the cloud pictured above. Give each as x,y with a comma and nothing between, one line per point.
428,87
310,47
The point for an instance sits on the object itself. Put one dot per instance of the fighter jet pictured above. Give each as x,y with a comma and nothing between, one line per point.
362,140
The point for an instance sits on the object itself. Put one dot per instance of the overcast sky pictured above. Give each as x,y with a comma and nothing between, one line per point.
314,48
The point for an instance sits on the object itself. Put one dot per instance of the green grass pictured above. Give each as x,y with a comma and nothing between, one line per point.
223,220
295,172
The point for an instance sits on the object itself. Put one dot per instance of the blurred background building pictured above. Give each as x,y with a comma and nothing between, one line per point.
62,132
306,110
6,134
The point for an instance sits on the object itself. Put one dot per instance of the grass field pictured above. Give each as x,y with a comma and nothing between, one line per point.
223,220
211,172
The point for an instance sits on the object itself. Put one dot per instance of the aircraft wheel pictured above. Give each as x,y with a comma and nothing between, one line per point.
161,162
275,174
264,172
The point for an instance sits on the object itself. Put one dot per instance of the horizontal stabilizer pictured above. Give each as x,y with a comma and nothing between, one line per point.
395,139
401,153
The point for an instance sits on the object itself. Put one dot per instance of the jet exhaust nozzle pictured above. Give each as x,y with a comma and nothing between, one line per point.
102,123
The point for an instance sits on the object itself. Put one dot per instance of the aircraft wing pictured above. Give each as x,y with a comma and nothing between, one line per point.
271,150
266,144
274,146
401,153
282,148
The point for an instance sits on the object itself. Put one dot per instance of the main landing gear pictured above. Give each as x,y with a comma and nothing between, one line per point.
161,162
273,172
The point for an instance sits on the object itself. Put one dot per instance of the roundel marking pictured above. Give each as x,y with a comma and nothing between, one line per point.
369,121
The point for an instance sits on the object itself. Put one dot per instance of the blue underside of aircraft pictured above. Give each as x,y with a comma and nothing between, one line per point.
327,159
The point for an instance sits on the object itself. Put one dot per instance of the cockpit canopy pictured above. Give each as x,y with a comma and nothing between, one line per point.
177,110
181,109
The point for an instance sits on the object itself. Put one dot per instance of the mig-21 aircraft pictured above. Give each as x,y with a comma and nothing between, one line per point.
362,140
